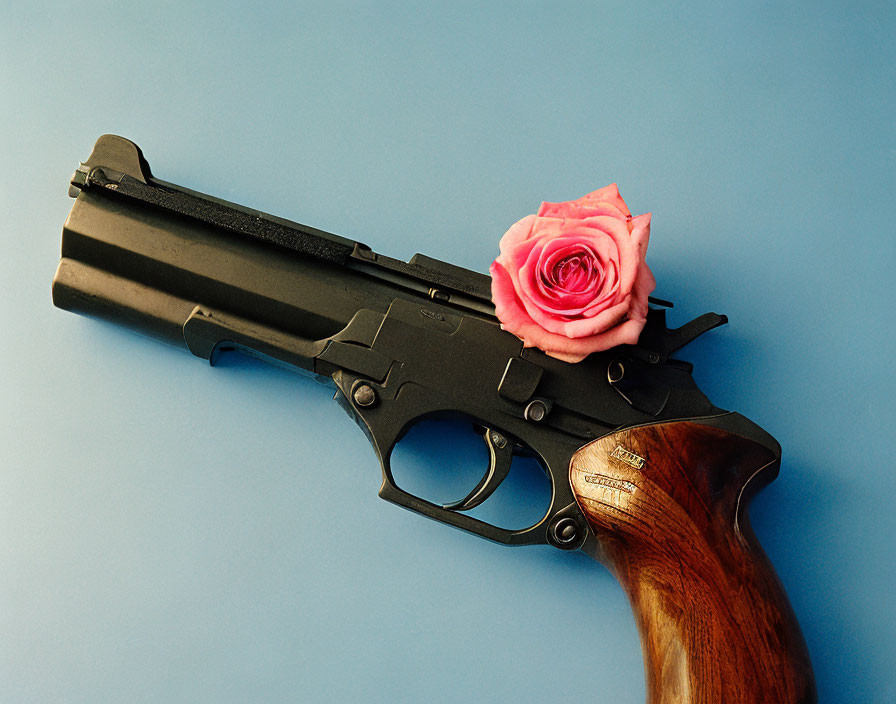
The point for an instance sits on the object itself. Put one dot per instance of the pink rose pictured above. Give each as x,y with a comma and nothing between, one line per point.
571,280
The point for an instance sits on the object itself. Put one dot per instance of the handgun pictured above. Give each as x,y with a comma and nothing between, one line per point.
646,475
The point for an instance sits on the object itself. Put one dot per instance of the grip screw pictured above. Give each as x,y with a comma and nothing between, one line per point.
565,532
364,395
536,411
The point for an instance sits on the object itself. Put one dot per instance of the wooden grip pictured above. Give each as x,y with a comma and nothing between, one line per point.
667,503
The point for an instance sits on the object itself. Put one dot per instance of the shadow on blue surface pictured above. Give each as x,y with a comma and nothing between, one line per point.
797,519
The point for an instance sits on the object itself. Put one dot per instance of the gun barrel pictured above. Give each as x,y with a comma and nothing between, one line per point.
145,254
148,269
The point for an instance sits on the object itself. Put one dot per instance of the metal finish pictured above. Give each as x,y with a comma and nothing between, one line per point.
402,341
364,395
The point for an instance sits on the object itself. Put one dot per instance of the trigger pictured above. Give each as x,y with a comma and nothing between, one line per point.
500,451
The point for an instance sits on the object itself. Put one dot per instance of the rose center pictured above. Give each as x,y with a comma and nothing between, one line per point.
574,272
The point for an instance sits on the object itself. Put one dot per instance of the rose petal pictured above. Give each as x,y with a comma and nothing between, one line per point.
514,255
578,211
508,308
627,256
554,258
607,194
518,232
576,349
581,234
515,320
644,286
584,278
540,309
550,310
544,308
641,234
599,321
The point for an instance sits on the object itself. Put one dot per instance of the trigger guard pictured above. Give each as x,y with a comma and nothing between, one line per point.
386,421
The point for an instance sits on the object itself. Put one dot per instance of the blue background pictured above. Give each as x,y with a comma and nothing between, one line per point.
172,532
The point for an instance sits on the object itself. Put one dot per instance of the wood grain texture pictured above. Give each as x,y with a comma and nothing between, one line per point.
715,623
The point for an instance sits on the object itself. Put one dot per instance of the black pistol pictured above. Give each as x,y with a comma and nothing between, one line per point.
646,474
